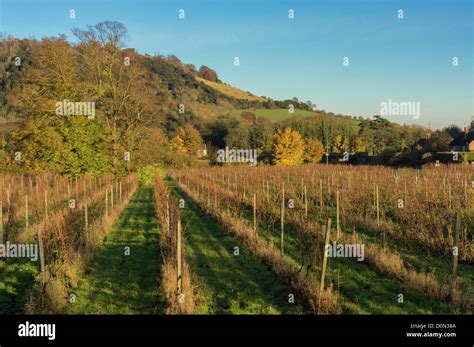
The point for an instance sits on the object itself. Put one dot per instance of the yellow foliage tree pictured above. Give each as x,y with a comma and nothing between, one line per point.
340,143
187,141
288,148
359,145
193,140
177,143
313,151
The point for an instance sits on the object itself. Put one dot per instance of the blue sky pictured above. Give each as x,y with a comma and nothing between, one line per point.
406,59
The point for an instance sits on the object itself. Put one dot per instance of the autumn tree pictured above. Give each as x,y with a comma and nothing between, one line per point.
339,143
48,141
208,74
359,145
288,148
177,143
187,141
118,78
249,117
151,147
313,151
193,140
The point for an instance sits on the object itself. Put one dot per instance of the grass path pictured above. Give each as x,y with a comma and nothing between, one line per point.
125,284
228,283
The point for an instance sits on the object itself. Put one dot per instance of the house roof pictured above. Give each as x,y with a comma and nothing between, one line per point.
463,139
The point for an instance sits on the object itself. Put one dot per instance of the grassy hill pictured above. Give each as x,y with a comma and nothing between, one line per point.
231,91
278,114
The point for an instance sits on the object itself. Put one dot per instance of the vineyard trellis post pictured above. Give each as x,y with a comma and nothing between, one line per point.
323,268
255,213
1,223
41,251
455,253
46,203
111,197
168,224
106,202
337,215
378,205
26,212
305,202
86,216
320,197
282,219
178,256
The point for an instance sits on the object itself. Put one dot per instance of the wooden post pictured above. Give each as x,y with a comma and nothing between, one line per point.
106,202
320,196
268,192
46,203
323,268
337,215
1,223
86,217
41,251
302,191
111,197
305,202
378,206
282,218
26,212
120,191
449,195
455,252
375,194
254,213
168,224
178,256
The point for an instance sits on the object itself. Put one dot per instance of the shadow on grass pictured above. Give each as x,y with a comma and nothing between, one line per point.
16,281
125,284
228,283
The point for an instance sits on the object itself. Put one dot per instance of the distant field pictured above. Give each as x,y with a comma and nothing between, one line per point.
231,91
279,114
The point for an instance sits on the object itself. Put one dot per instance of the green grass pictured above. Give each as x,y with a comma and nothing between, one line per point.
230,284
16,281
362,290
125,284
422,260
279,114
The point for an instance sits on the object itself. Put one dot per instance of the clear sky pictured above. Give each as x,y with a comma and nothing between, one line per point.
406,59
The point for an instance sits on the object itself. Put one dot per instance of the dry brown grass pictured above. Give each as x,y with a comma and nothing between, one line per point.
177,304
231,91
